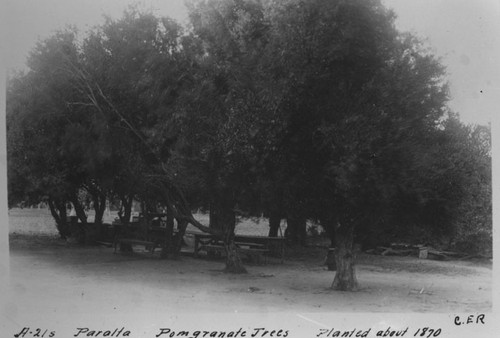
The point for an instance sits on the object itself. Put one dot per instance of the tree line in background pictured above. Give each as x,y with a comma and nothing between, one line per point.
299,110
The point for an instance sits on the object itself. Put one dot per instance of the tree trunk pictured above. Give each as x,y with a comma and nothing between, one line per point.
296,230
215,221
345,277
274,225
233,259
82,229
329,223
222,210
178,239
99,207
168,246
60,218
124,215
331,234
302,231
80,211
126,209
290,230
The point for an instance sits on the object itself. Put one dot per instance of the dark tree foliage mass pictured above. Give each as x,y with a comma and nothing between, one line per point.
301,110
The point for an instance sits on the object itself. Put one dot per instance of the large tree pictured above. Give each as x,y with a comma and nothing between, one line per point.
357,98
39,122
222,112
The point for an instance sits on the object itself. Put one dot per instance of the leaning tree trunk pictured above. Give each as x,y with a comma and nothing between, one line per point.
345,278
80,211
83,233
60,216
225,211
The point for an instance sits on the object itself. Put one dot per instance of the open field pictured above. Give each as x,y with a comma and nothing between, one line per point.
40,222
49,274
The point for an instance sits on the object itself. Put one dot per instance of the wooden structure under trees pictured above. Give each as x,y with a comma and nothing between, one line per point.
256,248
149,229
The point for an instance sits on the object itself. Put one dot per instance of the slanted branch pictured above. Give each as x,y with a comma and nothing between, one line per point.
173,197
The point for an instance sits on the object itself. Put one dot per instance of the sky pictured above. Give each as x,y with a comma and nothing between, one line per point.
465,34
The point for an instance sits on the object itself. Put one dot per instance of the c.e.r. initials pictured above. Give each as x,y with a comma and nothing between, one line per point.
471,319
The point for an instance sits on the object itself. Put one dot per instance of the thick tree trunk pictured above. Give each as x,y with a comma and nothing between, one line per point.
345,277
222,209
233,259
296,230
274,225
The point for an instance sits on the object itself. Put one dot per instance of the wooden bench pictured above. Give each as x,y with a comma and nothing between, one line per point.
135,233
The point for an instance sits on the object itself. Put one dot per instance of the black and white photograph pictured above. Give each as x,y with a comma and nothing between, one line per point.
249,168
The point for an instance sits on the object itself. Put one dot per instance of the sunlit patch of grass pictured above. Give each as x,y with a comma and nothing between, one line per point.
32,221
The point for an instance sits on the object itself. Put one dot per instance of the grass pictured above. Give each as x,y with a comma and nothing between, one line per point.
40,222
31,221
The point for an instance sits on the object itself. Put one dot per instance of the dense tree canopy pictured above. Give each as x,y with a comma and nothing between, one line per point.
318,110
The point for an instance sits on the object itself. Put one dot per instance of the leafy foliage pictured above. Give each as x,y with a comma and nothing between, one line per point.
315,110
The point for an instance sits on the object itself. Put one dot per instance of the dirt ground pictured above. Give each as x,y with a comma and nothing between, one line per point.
50,275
